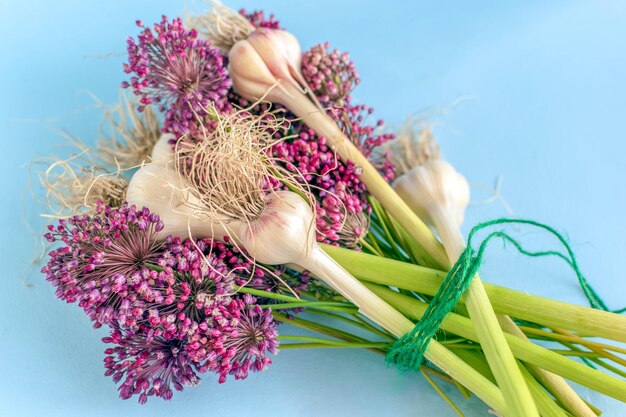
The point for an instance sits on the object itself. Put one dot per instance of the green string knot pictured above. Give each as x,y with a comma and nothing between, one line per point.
408,351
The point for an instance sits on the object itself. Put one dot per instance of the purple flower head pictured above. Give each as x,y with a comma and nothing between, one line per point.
148,366
180,72
194,285
352,120
258,19
246,341
103,258
331,75
192,322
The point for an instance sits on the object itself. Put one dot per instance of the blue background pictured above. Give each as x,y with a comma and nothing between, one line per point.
543,105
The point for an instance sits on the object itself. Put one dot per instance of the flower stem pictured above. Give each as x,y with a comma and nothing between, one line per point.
318,342
321,305
360,323
569,337
584,321
491,337
318,120
373,307
524,350
441,393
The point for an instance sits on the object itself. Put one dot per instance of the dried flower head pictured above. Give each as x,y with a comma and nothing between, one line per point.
222,26
129,136
203,280
352,119
252,335
414,145
74,185
354,228
149,366
183,74
341,198
330,75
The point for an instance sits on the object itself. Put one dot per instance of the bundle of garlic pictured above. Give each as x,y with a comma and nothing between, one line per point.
268,195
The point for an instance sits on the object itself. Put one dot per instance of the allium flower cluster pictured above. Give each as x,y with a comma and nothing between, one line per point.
103,259
171,307
342,207
331,75
258,19
184,75
352,120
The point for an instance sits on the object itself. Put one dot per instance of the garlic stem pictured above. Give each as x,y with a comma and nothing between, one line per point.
584,321
545,403
454,243
319,121
370,305
525,351
499,356
561,390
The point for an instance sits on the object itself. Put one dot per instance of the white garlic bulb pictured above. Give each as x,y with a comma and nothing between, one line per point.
434,185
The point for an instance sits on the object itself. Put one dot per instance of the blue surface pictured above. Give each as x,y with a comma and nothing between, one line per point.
544,107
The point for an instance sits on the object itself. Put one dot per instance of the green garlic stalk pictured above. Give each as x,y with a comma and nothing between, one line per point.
439,195
264,64
283,232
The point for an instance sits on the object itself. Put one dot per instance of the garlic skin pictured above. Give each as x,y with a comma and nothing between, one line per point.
434,185
267,65
280,51
160,188
162,149
283,233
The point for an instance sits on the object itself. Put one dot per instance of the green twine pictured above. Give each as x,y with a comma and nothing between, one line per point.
408,351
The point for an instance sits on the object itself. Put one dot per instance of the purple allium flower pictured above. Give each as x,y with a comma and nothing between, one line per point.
196,283
103,259
351,119
252,334
180,72
192,322
342,208
148,365
258,19
331,75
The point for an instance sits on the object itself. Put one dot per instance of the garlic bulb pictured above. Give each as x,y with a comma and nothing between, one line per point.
283,232
158,186
434,185
440,195
162,149
266,65
430,186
